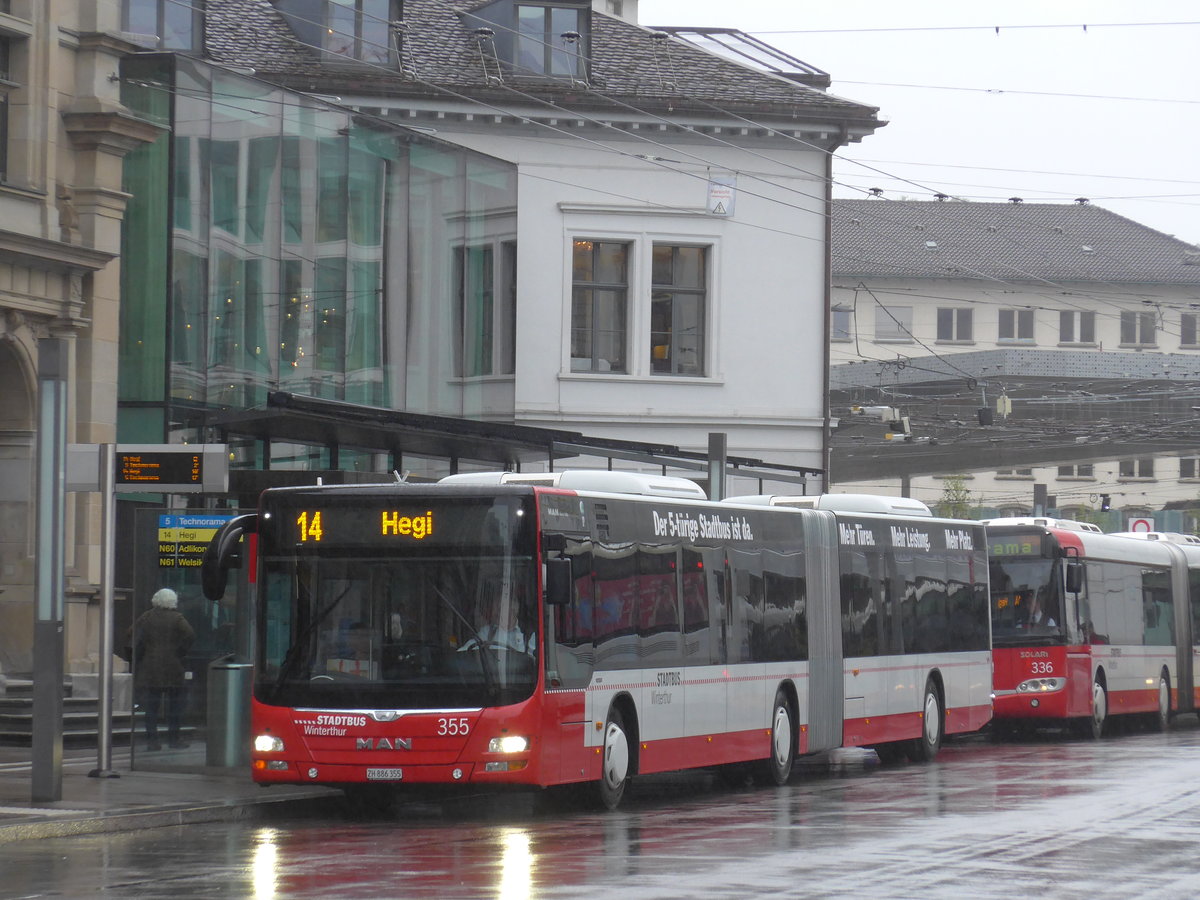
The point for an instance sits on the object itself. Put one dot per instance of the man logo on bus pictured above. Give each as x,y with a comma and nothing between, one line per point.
383,744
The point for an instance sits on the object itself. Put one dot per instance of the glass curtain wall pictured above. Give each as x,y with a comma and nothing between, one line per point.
287,244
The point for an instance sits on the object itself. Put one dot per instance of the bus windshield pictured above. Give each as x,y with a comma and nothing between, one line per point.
445,621
1027,607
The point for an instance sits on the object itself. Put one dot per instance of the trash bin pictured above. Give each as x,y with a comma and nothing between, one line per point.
229,685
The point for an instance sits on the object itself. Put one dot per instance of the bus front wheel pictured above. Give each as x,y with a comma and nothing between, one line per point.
1092,727
614,776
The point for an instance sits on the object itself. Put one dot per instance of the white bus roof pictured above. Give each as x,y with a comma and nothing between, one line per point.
1170,537
1045,522
598,480
864,503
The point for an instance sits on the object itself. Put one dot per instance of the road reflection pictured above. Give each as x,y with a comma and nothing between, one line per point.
984,820
510,846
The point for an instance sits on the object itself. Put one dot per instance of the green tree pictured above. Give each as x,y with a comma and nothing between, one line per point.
956,500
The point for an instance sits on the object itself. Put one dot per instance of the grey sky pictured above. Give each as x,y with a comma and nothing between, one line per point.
1110,112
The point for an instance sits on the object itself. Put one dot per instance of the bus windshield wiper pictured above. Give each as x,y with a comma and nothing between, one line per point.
295,653
491,678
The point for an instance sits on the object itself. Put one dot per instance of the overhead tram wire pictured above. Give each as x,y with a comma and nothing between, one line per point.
474,100
660,162
995,28
1002,91
596,144
942,210
1033,171
711,138
760,125
674,149
714,106
607,148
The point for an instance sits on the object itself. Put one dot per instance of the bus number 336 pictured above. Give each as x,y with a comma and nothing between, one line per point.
1041,668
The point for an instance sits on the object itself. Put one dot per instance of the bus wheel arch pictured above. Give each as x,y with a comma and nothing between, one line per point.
933,720
618,751
784,734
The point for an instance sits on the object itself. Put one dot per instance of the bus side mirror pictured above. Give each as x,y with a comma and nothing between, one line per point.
559,579
1074,577
222,555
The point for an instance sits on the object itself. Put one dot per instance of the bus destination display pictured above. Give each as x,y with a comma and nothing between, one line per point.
401,521
310,524
1017,545
166,468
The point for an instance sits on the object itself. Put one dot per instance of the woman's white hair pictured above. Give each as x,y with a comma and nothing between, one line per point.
165,598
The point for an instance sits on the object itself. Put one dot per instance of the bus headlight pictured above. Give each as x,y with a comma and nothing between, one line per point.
510,743
1041,685
268,743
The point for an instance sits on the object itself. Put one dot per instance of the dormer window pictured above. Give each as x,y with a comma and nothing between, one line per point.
550,40
536,38
345,31
359,30
177,26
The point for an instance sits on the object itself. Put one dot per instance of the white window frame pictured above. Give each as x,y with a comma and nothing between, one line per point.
1193,320
1141,321
962,319
1137,469
841,323
1070,327
1019,319
577,363
899,331
639,274
1077,472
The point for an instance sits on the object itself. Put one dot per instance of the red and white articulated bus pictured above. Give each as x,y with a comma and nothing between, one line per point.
1086,625
582,627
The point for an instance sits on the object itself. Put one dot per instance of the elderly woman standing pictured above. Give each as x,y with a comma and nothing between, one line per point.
161,638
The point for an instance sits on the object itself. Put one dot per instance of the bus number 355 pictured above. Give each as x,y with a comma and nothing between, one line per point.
451,727
1041,668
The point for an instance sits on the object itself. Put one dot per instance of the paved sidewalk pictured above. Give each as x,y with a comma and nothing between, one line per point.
137,799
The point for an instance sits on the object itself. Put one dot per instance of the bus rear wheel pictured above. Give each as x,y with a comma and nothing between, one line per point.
926,747
777,768
1160,718
614,775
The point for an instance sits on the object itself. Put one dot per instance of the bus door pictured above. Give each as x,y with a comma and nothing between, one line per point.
749,706
569,660
705,632
659,647
1071,573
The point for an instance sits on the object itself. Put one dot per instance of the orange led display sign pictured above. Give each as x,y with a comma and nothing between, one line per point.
311,525
416,527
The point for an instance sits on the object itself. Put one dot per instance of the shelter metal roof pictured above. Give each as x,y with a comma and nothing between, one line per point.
334,423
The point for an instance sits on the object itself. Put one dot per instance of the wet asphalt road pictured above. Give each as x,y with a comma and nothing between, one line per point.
1044,818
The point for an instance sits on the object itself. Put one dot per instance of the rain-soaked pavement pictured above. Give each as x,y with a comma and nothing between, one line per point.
1045,818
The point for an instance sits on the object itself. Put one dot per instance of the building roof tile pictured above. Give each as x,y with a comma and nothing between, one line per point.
440,55
1012,242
